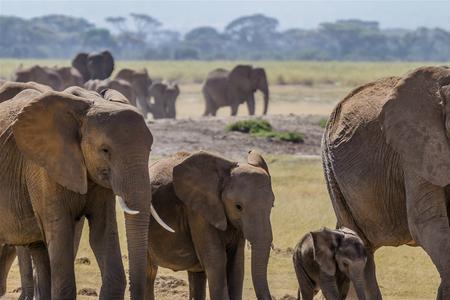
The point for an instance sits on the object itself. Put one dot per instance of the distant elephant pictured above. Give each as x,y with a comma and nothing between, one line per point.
70,77
386,155
164,99
43,75
140,82
232,88
65,155
214,205
326,260
98,65
119,85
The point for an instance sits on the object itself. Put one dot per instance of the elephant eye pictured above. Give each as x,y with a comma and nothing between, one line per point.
239,207
105,151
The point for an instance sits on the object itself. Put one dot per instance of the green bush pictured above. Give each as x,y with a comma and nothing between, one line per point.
263,129
323,122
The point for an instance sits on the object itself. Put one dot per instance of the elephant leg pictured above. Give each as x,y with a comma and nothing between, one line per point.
208,104
370,278
251,105
42,276
234,109
104,241
7,256
77,237
26,273
235,271
152,270
429,225
197,285
329,286
212,256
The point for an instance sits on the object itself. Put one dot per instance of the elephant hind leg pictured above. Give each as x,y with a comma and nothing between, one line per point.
152,270
7,256
26,273
42,280
197,285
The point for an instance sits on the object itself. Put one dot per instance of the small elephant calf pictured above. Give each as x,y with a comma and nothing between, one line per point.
327,260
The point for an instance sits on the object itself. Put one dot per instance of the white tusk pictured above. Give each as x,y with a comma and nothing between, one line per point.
125,208
158,219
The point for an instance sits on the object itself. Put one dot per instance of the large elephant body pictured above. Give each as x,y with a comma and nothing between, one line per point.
164,97
140,82
64,156
386,157
213,204
97,65
42,75
232,88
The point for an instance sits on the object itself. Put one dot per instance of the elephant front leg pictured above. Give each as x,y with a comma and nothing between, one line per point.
104,241
197,285
235,271
42,276
429,225
26,273
251,105
152,270
7,256
370,278
328,286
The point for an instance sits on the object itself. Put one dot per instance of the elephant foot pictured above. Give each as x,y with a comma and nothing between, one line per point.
27,294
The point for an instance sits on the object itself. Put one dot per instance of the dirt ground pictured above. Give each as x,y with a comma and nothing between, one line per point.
209,133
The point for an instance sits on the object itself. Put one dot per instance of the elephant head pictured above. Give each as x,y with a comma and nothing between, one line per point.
165,97
100,65
244,81
416,123
344,250
139,80
41,75
70,77
226,193
81,139
10,89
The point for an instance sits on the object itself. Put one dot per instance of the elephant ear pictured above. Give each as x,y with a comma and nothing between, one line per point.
255,159
108,63
198,181
240,77
80,63
325,243
413,122
46,131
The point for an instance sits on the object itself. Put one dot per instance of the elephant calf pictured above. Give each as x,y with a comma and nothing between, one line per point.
214,205
328,260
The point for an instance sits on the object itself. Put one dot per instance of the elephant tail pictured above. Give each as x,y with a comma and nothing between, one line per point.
341,209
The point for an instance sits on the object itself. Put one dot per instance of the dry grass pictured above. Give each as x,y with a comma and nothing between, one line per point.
301,205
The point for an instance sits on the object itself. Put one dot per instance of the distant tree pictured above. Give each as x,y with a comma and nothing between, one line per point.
98,39
145,24
186,53
118,23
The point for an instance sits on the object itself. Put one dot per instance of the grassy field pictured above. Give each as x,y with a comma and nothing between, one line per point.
301,205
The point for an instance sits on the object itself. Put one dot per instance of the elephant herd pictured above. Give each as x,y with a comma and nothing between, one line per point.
67,156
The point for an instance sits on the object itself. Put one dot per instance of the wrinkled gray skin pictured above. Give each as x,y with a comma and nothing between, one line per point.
164,99
386,155
119,85
328,260
214,205
42,75
57,176
232,88
140,82
98,65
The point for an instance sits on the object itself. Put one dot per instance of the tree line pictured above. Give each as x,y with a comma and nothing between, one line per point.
254,37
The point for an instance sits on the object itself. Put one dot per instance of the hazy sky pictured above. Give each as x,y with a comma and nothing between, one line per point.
184,15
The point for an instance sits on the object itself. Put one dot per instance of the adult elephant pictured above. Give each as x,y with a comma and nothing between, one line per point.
97,65
214,204
43,75
69,76
119,85
63,157
164,98
386,156
140,81
232,88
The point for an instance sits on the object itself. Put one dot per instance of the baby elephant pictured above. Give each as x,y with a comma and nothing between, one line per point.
214,205
327,260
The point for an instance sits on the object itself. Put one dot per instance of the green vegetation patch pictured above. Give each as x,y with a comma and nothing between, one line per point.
323,122
262,128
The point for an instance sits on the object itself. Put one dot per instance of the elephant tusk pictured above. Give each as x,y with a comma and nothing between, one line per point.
158,219
125,207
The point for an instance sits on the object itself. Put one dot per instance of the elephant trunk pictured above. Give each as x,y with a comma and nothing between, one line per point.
136,197
259,262
358,283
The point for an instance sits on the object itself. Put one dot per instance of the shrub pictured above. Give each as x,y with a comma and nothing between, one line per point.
323,122
262,128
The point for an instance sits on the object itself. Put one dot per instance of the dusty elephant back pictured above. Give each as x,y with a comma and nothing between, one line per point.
362,171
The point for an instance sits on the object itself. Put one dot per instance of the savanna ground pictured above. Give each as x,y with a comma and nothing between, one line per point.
302,95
